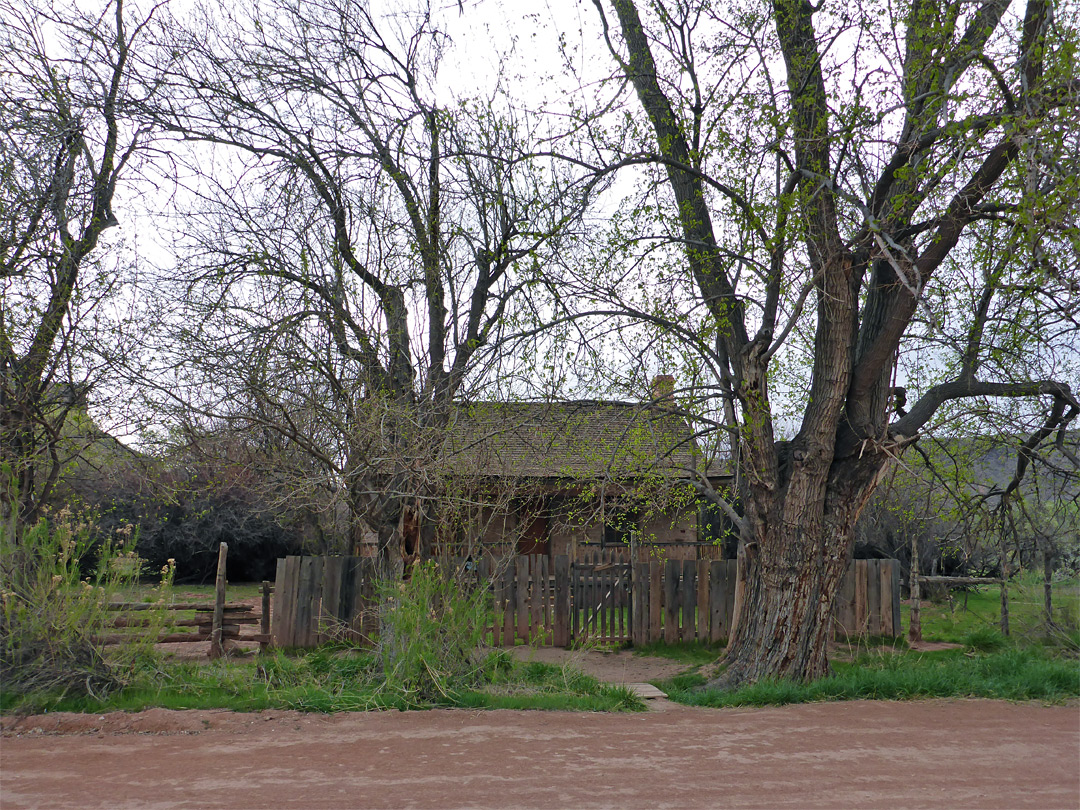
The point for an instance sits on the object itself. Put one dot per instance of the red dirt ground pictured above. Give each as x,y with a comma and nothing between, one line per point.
953,754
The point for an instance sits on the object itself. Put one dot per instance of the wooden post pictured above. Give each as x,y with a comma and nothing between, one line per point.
655,601
278,605
887,598
861,604
671,601
639,599
561,628
915,619
717,596
873,597
328,623
217,647
1004,585
689,600
898,630
509,602
264,621
703,600
368,599
740,589
521,596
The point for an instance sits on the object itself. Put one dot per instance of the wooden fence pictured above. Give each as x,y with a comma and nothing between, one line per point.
320,599
600,598
217,622
132,622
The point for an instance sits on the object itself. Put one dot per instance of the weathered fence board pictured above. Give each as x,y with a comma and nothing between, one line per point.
319,599
689,599
561,623
671,601
703,600
873,597
656,603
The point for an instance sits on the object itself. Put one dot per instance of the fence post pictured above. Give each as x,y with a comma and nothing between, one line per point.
717,596
671,601
888,628
915,618
894,573
703,600
740,589
639,600
264,621
689,599
217,647
655,601
560,633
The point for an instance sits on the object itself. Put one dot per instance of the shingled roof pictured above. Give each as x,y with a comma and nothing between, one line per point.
569,440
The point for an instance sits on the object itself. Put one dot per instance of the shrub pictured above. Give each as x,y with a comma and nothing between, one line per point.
985,639
53,619
431,640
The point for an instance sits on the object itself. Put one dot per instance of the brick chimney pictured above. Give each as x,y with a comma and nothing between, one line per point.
663,389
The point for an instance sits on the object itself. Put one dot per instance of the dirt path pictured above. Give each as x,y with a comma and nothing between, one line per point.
953,754
622,666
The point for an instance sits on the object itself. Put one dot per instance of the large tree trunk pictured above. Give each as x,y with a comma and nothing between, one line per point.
795,567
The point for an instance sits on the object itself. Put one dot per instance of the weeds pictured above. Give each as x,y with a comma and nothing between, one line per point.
53,620
335,680
432,636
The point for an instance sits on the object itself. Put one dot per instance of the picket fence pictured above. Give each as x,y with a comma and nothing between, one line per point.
600,597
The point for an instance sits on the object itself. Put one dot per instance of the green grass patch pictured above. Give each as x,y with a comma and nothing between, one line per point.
144,592
691,653
1008,674
966,611
332,680
1033,663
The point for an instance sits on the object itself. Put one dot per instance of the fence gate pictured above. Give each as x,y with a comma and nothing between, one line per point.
601,607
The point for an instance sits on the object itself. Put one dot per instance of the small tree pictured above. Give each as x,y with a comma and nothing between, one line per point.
356,272
67,142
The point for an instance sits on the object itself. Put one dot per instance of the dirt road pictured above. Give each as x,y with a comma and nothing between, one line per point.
953,754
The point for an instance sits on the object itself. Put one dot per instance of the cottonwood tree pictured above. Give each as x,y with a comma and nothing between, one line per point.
823,169
357,245
67,140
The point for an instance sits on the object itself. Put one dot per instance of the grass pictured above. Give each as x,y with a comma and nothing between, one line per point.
1029,665
1007,674
333,680
964,612
1033,663
691,653
195,593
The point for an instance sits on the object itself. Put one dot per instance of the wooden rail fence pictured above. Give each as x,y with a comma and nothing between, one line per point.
556,602
235,616
217,622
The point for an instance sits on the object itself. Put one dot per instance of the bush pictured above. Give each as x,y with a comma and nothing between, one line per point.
985,639
184,511
432,636
191,530
53,619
